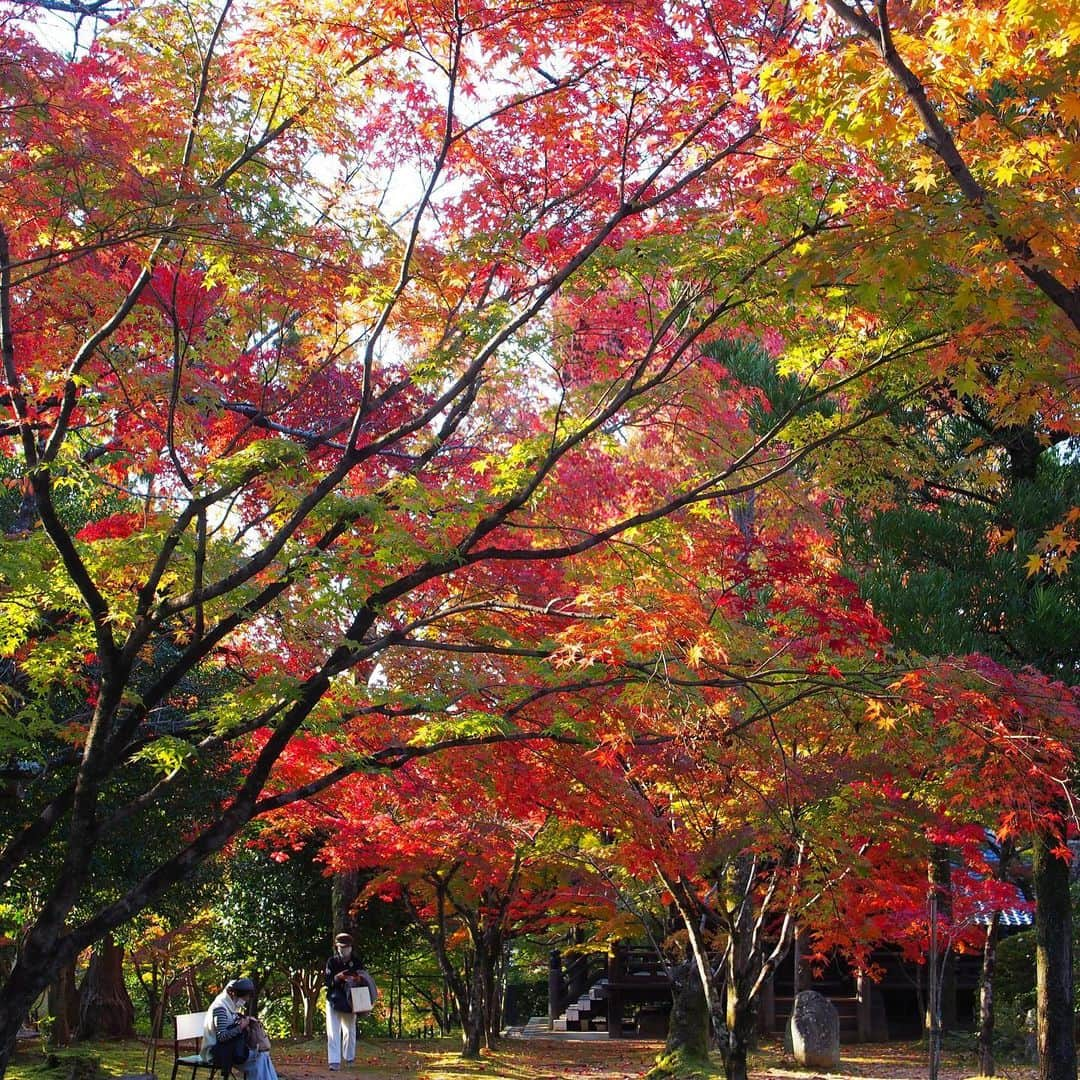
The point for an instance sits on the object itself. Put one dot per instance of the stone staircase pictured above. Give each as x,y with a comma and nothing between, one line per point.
588,1013
537,1028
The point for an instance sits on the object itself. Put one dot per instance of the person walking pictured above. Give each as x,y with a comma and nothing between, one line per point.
342,973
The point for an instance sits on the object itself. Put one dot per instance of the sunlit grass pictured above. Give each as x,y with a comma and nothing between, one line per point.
32,1062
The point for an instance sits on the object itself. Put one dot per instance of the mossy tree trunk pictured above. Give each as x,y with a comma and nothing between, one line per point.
686,1052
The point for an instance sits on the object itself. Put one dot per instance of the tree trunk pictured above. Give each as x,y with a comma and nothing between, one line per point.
63,1006
738,1007
802,974
688,1028
1053,962
311,1006
740,1033
296,1005
105,1008
687,1048
191,986
472,1017
305,985
986,998
933,986
344,889
458,989
156,1013
152,983
941,879
38,961
501,954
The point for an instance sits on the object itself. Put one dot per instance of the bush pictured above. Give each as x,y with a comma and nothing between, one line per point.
1014,978
276,1016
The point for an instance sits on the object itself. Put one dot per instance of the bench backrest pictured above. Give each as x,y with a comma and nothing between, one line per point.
189,1026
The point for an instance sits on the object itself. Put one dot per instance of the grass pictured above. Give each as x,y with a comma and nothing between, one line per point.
515,1059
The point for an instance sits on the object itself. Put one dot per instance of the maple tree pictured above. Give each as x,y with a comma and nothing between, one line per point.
980,121
320,313
353,354
749,625
946,141
963,117
944,152
940,512
966,568
720,811
964,748
459,844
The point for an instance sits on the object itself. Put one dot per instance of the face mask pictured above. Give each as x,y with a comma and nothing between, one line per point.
345,951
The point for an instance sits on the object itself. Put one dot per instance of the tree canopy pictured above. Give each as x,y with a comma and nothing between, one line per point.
389,380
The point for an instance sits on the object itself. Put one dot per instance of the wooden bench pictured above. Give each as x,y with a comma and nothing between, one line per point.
187,1043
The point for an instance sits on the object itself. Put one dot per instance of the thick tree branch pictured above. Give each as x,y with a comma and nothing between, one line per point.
941,141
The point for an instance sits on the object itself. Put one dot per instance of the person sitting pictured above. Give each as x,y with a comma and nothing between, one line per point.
226,1023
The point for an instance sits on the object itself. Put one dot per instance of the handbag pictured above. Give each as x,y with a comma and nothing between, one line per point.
360,999
257,1039
231,1052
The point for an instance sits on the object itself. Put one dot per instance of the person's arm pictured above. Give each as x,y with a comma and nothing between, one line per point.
228,1025
328,974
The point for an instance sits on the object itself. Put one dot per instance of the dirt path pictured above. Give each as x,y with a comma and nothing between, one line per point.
523,1059
552,1060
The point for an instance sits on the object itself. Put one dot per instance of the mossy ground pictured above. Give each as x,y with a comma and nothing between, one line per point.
680,1066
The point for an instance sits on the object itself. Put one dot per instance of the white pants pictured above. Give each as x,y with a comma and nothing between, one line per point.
340,1036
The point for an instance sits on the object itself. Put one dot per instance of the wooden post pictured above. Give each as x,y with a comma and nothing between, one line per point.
767,1015
864,1019
616,973
555,991
802,976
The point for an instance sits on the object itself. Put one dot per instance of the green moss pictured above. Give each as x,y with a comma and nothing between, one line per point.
106,1060
67,1066
682,1066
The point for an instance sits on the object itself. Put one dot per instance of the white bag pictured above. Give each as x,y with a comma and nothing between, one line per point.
361,999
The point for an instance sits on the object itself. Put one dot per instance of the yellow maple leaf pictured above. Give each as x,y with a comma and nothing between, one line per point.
875,714
1055,537
1000,537
1004,174
1069,108
1033,564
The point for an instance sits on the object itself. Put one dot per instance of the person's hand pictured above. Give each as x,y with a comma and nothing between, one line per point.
341,976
